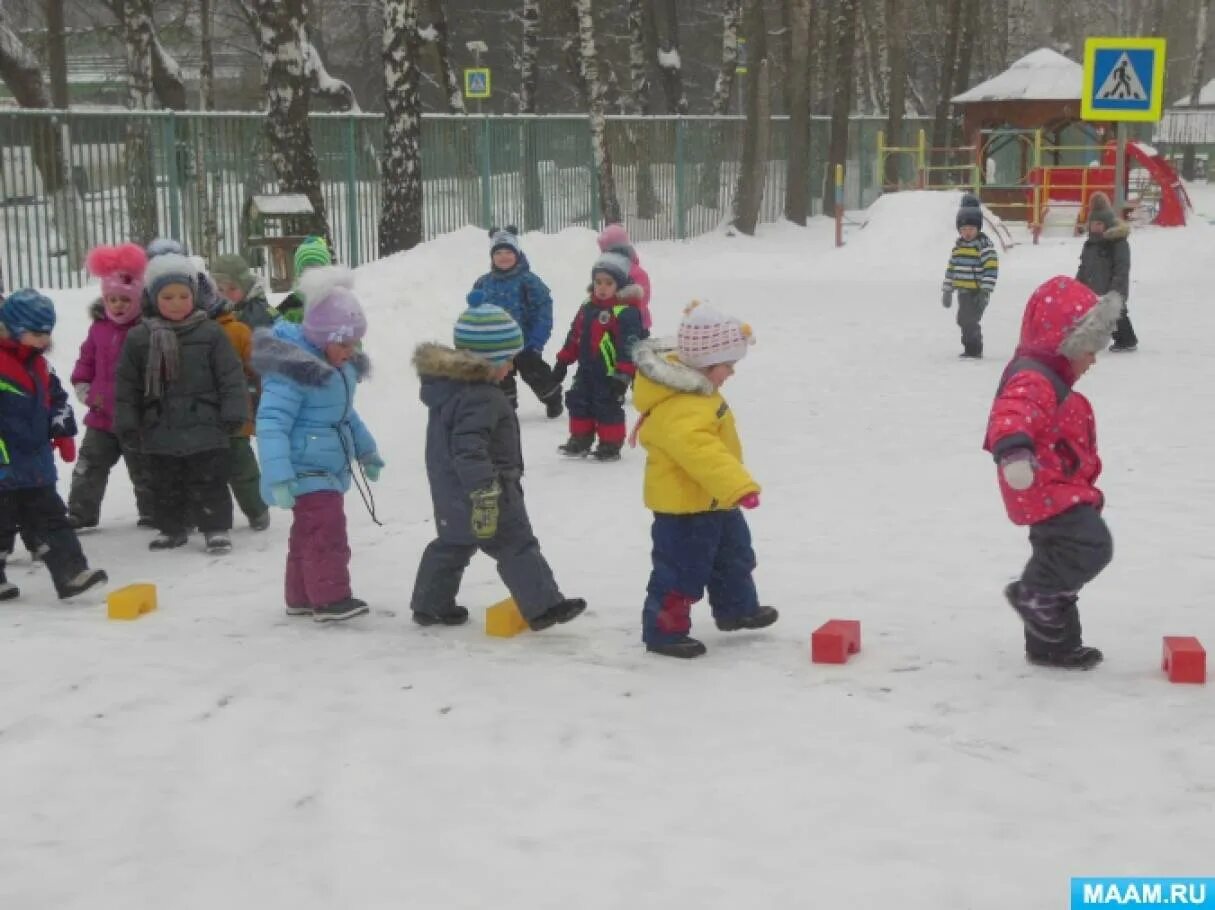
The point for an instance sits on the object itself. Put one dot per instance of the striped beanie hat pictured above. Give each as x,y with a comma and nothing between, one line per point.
487,331
707,337
312,252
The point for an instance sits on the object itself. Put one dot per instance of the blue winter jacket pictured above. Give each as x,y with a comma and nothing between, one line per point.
308,432
34,409
522,294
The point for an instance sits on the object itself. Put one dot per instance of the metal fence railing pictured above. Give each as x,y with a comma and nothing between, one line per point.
63,177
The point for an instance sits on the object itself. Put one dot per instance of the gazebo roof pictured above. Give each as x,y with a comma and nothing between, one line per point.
1043,75
1206,97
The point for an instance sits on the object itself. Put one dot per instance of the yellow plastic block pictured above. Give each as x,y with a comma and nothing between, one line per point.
503,620
131,602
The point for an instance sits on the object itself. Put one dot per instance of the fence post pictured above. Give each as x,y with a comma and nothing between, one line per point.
680,172
839,205
352,195
170,140
881,159
921,162
487,203
594,178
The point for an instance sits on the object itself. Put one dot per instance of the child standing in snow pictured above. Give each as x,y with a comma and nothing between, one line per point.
615,239
1105,264
312,253
120,269
972,272
34,418
696,484
601,341
310,436
180,394
1043,435
238,285
474,463
512,285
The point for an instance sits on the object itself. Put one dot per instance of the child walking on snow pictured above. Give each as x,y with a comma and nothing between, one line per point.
1043,435
1105,265
309,436
474,463
972,272
601,341
696,484
615,239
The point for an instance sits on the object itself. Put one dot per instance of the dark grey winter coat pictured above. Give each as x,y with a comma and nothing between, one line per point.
472,439
196,413
1105,262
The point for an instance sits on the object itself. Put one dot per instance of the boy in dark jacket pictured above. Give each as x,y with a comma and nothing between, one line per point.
475,466
1105,264
601,341
1043,435
238,285
180,395
34,416
512,285
972,272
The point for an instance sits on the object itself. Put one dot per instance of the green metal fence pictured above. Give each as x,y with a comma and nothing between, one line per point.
674,176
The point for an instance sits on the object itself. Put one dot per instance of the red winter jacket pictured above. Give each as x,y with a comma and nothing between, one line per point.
1036,409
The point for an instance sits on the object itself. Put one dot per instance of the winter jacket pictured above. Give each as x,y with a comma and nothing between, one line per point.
97,366
472,437
1036,409
693,454
196,412
521,293
34,409
308,433
242,342
603,335
973,265
254,311
1105,261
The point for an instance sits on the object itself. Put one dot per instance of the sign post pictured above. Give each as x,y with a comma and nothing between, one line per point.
1123,81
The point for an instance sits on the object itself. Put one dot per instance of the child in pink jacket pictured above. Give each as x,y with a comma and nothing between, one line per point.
614,238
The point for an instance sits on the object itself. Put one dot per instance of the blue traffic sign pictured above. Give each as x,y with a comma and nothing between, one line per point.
1123,79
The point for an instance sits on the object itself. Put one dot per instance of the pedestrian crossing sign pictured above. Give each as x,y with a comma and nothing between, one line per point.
1123,79
476,83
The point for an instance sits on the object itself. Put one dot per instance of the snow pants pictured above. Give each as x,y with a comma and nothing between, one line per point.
99,452
693,552
531,368
594,406
245,478
971,305
318,554
191,487
41,511
1124,332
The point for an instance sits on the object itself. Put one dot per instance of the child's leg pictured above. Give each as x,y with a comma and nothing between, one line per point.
1124,333
295,591
608,411
438,579
521,565
8,536
45,513
246,478
970,311
537,374
578,403
99,453
318,537
731,588
510,389
141,483
206,488
166,474
685,548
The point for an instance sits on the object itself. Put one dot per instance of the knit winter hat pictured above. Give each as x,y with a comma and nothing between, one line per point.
120,269
233,268
27,311
311,253
1101,210
332,313
707,337
166,269
970,212
487,331
162,245
617,265
506,238
612,236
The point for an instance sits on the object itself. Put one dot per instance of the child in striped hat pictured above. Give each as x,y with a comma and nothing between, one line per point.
312,253
474,463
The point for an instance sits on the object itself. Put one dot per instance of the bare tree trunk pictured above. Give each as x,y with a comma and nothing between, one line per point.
844,28
142,221
56,52
797,180
528,58
949,60
285,80
753,169
1020,29
647,197
447,73
1196,79
206,100
666,19
896,48
710,175
533,199
596,102
967,25
401,217
875,54
206,72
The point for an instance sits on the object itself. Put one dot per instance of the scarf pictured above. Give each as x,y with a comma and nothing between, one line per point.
164,353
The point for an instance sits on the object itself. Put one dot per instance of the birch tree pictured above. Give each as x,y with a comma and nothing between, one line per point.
452,89
1196,79
723,90
203,142
142,219
336,92
967,25
896,85
670,64
753,169
639,79
843,26
949,60
797,181
596,102
285,83
401,215
533,198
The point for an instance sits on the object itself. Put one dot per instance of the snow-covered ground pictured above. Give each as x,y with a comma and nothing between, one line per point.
217,753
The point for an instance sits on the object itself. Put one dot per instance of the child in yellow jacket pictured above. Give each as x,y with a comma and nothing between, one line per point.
695,483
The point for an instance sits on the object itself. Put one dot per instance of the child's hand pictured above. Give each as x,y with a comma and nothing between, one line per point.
619,384
560,368
947,298
82,392
67,448
373,464
1017,468
282,495
750,501
485,511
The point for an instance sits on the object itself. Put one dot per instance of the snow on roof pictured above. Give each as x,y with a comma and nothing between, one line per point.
1187,127
1043,75
1206,97
283,204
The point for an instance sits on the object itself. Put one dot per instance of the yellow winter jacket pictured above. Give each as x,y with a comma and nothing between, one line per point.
693,455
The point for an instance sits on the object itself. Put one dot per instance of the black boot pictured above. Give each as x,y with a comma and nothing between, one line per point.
1080,658
686,648
163,541
218,542
760,619
347,608
577,446
81,582
553,407
608,451
562,612
452,616
8,590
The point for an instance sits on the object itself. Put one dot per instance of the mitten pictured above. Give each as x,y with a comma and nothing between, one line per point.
82,392
750,501
619,384
373,464
67,448
560,368
485,511
282,495
1017,468
947,298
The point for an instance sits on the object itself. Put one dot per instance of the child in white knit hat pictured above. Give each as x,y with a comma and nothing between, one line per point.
695,483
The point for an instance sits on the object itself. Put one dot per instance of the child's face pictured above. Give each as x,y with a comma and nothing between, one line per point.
175,302
39,340
604,286
719,373
504,259
118,306
1082,364
338,352
968,231
230,290
1096,228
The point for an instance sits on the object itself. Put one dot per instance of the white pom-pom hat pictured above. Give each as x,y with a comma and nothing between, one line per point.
707,337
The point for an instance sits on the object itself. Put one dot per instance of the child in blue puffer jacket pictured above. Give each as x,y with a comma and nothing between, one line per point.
512,285
309,437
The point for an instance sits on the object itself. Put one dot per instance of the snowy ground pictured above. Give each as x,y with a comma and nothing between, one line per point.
218,754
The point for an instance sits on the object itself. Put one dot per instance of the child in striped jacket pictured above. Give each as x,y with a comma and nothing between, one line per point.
972,272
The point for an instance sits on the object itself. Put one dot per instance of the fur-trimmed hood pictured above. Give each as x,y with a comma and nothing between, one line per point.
438,361
661,375
1066,318
284,350
1120,231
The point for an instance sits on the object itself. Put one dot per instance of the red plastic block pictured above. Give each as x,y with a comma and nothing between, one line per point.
1185,660
834,640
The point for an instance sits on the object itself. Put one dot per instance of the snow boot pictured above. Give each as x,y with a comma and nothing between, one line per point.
9,591
347,608
685,648
608,451
218,542
760,619
164,541
553,408
299,609
1120,347
972,352
454,616
81,582
260,522
577,446
1080,658
562,612
145,522
1043,614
